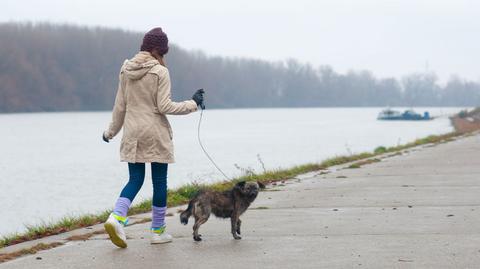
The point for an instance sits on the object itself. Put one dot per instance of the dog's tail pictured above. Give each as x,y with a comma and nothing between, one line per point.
187,213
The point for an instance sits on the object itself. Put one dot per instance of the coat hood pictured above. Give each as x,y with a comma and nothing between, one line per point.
139,65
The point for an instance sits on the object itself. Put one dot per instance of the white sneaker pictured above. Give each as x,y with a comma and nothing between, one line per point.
115,230
160,238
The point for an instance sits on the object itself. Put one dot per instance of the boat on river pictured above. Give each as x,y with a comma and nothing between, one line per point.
390,114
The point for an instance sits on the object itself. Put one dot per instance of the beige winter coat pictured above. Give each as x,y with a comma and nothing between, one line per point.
143,100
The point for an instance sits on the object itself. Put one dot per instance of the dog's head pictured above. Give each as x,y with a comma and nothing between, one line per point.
249,189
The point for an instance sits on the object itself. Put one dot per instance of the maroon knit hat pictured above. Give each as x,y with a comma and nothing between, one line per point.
155,39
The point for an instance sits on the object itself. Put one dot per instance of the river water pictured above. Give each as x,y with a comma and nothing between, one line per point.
56,164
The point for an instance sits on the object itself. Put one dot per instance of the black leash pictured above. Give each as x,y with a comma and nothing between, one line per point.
203,148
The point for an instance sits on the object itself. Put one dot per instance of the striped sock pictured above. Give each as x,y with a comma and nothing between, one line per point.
158,216
121,206
158,230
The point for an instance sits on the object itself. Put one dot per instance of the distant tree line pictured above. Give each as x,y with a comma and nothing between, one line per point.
45,67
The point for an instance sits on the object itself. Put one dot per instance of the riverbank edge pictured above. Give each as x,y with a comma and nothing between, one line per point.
183,194
466,121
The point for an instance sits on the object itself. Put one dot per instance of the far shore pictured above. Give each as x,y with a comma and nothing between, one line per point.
236,108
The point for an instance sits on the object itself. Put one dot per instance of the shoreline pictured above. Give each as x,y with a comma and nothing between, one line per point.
183,194
466,121
238,108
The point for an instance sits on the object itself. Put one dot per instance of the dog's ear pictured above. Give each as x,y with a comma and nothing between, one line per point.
261,185
240,184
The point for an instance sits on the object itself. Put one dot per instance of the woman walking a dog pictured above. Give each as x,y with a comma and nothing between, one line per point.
142,101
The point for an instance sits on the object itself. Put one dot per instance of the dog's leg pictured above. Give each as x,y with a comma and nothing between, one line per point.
239,223
201,213
196,226
234,219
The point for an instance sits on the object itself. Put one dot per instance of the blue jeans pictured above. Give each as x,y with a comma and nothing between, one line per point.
137,176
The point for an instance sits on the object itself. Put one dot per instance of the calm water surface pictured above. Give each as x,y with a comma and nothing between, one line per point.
55,164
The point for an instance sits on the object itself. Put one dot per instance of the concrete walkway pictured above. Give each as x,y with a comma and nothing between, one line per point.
417,210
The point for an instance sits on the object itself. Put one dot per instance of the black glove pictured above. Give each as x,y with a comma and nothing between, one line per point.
104,138
198,98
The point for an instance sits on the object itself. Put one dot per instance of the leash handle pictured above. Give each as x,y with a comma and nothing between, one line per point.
202,105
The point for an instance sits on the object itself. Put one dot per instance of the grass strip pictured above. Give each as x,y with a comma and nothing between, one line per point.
183,194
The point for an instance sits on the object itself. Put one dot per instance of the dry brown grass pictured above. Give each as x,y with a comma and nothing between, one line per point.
28,251
364,162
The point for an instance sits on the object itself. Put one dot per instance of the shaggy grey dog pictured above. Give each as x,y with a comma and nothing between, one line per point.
228,204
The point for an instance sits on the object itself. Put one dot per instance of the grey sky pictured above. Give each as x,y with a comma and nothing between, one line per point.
390,38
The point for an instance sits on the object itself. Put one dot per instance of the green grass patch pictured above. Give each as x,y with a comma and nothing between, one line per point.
183,194
380,150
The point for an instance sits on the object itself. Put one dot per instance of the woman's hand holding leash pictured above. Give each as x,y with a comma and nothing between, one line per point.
198,98
104,138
